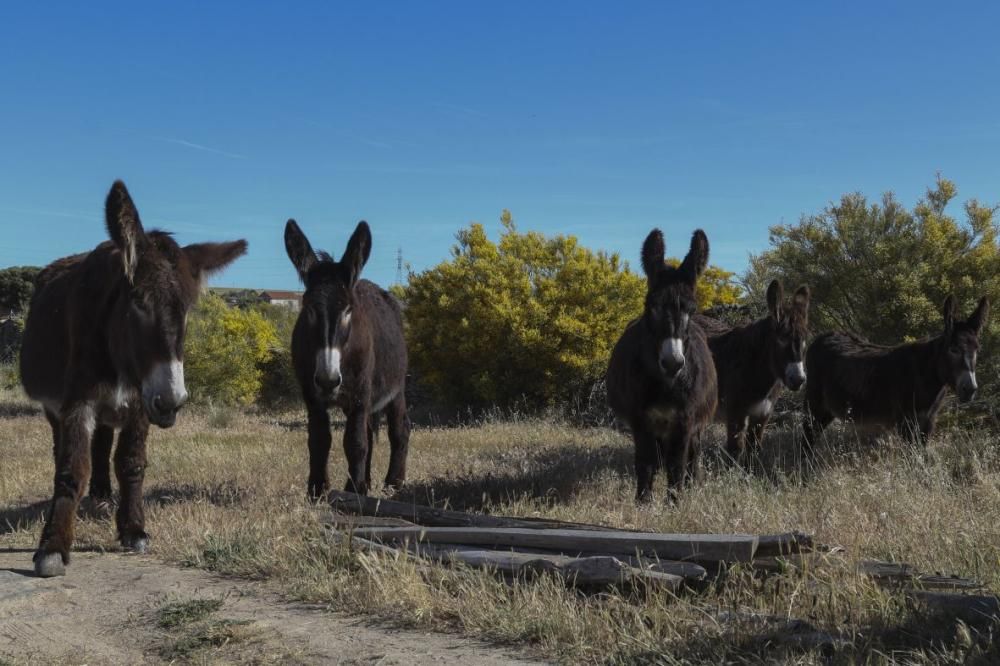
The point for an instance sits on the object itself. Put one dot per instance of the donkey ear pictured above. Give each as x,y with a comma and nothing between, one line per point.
775,294
653,250
949,314
358,248
207,258
299,250
124,227
800,301
697,257
978,318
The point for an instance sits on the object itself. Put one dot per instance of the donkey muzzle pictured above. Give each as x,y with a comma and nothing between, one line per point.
795,375
327,376
672,357
966,387
163,393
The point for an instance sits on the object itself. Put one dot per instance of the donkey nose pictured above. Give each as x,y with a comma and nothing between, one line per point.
329,384
671,365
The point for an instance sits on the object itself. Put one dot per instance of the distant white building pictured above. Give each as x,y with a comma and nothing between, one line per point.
291,299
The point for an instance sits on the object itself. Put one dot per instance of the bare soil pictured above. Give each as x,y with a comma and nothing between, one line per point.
109,611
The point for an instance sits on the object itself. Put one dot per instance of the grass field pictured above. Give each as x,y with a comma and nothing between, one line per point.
226,491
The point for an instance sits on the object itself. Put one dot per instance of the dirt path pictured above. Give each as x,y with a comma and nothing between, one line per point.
117,609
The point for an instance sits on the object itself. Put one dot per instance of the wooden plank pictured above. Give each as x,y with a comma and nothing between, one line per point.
352,503
974,609
698,547
776,545
597,570
897,573
340,520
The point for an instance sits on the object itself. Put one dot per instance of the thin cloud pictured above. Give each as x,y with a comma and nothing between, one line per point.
198,146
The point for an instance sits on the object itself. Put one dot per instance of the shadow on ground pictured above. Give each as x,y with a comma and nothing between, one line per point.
552,476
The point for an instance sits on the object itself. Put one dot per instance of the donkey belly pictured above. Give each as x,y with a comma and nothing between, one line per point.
379,402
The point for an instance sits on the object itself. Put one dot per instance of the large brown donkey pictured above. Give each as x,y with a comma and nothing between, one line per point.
104,349
898,387
348,351
755,361
661,379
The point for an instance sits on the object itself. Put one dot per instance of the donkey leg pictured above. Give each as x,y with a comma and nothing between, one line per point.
100,457
675,451
694,466
814,422
755,441
56,430
646,462
373,428
130,470
71,475
398,421
356,451
736,434
319,450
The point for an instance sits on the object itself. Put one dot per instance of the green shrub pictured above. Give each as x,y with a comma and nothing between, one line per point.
529,321
224,351
279,387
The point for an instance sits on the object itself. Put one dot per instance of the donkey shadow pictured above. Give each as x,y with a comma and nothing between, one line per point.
553,476
224,494
14,518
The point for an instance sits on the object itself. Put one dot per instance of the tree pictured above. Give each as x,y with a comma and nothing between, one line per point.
881,271
529,318
16,285
224,351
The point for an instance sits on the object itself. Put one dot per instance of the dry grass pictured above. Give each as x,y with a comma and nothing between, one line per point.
228,494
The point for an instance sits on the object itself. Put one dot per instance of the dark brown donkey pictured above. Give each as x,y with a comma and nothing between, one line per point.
348,351
898,387
104,349
755,361
661,379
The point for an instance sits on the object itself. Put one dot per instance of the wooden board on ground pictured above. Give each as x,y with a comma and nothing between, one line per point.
974,609
595,570
697,547
895,573
790,543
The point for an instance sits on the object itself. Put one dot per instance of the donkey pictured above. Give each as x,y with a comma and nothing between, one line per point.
755,361
661,380
104,349
348,351
899,387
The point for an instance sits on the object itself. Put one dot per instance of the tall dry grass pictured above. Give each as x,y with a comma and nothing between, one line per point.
227,493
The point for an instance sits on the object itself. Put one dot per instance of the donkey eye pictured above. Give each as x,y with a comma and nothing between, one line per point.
955,349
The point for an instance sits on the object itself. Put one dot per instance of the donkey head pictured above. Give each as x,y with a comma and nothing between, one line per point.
329,299
162,281
789,321
959,347
670,299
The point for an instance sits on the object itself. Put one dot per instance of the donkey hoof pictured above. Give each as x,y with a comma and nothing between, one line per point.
393,484
359,488
136,544
48,565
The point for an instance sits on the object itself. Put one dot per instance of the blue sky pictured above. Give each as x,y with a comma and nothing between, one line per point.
596,119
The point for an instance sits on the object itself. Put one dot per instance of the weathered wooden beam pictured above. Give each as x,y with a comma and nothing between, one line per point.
342,521
776,545
697,547
897,573
352,503
973,609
